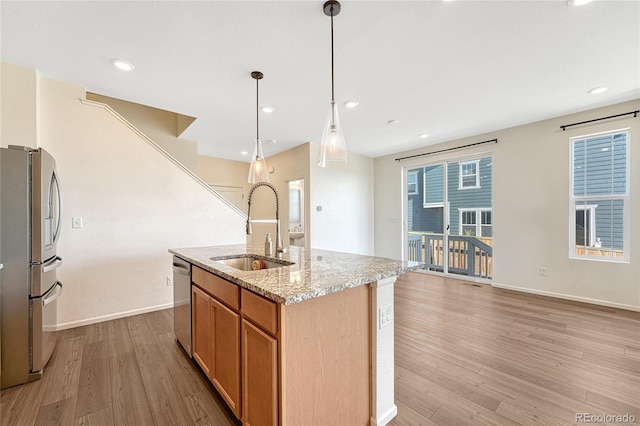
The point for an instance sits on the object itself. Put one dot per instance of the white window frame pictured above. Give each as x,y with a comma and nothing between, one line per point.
477,164
575,202
592,222
413,173
478,222
432,205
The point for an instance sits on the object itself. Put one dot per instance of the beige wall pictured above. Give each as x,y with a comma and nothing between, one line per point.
135,202
531,208
19,124
218,171
345,196
227,176
162,127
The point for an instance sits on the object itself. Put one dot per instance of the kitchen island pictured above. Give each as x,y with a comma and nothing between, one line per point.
309,342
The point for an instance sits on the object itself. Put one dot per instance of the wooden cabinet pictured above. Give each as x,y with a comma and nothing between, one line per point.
201,318
223,290
223,317
262,312
216,334
225,369
259,377
275,365
260,327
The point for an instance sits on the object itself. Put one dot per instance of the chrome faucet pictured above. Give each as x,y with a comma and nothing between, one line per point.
279,245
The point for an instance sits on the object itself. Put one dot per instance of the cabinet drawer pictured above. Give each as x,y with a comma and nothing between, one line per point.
261,311
227,292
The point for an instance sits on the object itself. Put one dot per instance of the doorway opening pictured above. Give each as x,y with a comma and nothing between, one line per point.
296,213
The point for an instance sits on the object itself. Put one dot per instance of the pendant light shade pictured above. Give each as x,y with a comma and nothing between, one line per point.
258,171
333,147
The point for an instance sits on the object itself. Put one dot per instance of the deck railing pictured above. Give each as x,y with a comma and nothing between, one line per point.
467,255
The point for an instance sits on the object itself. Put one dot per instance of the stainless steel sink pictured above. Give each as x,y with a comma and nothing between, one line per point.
245,262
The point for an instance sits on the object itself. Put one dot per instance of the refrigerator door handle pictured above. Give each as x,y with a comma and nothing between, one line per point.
54,296
55,181
54,263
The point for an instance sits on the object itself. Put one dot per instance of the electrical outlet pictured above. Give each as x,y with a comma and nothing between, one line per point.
384,316
76,222
169,281
542,271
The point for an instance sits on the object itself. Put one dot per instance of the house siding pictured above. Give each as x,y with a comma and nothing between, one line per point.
430,219
473,198
421,219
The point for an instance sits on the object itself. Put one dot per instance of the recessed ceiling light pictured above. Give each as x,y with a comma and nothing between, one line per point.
351,104
391,122
123,65
423,136
578,2
597,90
244,152
268,109
273,140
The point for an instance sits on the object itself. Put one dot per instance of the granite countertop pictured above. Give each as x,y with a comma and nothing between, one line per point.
314,272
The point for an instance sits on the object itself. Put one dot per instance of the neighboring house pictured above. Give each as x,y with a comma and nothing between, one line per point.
469,198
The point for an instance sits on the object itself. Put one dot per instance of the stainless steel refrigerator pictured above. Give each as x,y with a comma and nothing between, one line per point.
30,208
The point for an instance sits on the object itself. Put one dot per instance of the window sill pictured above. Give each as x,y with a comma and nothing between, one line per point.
607,259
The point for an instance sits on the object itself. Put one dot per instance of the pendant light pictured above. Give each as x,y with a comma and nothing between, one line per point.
258,170
333,148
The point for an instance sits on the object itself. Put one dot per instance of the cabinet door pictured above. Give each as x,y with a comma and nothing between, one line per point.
201,312
259,377
226,354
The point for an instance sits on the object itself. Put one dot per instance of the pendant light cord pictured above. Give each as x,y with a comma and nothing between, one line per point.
257,112
332,84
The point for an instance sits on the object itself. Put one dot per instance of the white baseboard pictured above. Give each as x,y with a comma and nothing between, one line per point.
386,418
568,297
95,320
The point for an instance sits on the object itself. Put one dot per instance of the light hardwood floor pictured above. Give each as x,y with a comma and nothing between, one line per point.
477,355
465,355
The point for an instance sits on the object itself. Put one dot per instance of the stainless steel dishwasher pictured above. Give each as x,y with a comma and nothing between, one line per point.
182,302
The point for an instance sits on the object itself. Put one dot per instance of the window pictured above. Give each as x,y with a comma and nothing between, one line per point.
486,226
470,226
599,196
468,223
469,175
412,183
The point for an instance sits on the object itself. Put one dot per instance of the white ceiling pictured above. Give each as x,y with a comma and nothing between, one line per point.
447,68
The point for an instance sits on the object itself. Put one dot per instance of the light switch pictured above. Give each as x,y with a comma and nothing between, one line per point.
76,222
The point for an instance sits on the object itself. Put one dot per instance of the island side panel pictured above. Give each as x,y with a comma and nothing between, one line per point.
326,361
383,407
